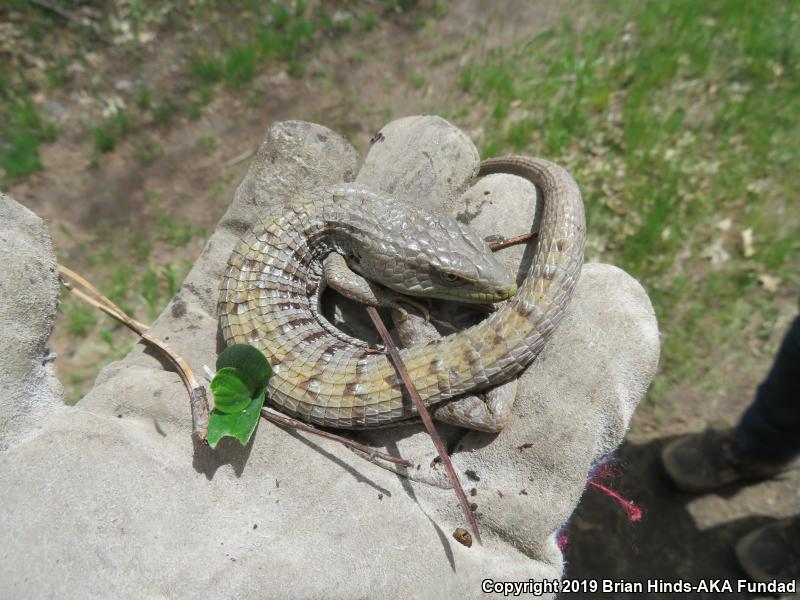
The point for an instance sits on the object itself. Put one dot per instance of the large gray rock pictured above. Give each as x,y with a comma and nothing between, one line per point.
31,394
136,509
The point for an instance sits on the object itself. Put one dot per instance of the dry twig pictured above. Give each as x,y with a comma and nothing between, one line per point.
426,419
197,393
517,239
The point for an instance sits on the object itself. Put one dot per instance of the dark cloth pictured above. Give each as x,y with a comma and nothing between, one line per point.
770,427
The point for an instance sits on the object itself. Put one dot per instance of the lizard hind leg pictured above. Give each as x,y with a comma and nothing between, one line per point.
350,284
489,411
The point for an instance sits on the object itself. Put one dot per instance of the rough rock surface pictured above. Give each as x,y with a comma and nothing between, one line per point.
31,394
136,509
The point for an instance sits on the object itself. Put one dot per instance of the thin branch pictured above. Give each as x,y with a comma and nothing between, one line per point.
100,300
285,421
517,239
109,311
426,419
198,401
242,157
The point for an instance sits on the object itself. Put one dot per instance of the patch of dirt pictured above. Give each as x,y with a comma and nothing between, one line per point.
680,536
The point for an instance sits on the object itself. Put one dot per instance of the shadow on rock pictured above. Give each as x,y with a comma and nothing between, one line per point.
228,452
409,489
358,476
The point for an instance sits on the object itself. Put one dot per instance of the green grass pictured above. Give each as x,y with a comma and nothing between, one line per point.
228,43
417,81
81,318
164,111
147,150
109,132
283,35
208,142
173,232
368,21
23,131
672,116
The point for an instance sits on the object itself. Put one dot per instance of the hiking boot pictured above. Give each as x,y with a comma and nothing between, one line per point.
772,552
705,461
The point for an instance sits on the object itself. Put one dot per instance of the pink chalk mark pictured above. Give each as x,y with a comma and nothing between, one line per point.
633,512
562,540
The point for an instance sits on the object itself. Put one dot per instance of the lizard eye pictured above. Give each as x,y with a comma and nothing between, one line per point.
450,279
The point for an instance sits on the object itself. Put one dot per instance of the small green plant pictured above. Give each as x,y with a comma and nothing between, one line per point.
400,5
108,337
368,21
143,98
194,110
206,69
107,134
80,319
164,111
519,134
141,245
296,68
56,73
150,293
342,25
467,77
172,232
239,389
23,131
417,80
147,151
241,65
439,10
208,142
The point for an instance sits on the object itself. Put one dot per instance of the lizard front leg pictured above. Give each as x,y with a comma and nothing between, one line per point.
350,284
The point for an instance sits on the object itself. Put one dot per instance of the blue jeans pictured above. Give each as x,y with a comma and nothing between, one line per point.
770,427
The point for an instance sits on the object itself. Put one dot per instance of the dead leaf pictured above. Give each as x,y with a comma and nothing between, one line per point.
769,282
463,537
724,224
716,253
747,243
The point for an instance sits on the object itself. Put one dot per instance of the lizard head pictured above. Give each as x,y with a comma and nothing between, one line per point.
419,254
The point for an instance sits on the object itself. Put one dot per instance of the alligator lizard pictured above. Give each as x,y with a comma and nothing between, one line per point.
269,297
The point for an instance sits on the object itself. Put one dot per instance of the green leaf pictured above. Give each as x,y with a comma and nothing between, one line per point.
251,363
231,395
239,425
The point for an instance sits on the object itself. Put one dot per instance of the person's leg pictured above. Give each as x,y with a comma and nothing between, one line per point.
761,446
770,427
772,552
